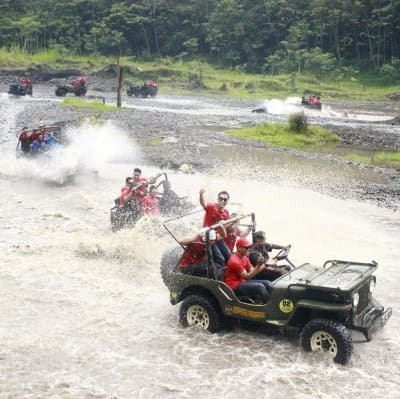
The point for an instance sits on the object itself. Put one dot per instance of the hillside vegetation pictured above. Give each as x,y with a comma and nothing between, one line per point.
183,76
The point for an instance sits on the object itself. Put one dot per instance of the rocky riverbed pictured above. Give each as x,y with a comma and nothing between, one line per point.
178,132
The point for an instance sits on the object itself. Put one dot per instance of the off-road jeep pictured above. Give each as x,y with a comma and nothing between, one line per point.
323,303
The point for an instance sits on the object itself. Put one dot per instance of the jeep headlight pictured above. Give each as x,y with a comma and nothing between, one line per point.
372,285
356,299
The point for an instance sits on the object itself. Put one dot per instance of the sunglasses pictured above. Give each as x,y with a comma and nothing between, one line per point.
225,199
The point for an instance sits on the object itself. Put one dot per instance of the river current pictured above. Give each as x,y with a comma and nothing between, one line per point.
84,312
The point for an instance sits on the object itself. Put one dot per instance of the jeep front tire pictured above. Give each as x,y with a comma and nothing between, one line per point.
328,336
202,311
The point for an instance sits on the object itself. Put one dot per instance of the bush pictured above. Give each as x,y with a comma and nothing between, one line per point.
298,122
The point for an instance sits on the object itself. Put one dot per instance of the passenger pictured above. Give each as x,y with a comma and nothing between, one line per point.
240,274
24,140
150,205
234,232
169,199
34,135
194,259
260,247
141,184
37,145
126,192
49,140
215,213
318,104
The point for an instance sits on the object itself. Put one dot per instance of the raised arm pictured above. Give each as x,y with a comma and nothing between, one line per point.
202,199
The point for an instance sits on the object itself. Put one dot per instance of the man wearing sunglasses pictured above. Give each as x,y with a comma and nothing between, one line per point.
216,212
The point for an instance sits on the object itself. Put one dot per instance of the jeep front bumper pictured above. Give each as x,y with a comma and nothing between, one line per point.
372,320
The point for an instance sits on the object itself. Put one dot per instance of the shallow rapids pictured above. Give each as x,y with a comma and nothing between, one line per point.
84,311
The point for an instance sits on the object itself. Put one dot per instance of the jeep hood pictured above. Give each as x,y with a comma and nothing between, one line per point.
335,274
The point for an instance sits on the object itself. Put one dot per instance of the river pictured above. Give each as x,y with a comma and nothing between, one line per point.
84,311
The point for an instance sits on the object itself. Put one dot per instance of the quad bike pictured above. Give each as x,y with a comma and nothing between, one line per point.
19,89
79,91
149,88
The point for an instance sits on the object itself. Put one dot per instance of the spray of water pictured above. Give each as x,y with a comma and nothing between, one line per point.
89,149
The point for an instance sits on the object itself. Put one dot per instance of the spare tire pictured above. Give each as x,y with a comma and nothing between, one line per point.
169,260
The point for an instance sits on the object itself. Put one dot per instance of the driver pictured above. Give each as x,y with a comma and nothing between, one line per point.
261,248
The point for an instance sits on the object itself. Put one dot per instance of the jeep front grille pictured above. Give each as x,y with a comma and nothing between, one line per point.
364,297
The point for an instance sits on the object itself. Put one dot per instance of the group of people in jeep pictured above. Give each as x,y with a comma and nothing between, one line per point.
37,140
313,102
248,268
140,196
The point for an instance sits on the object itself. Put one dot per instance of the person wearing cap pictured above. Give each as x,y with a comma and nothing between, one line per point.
194,259
240,274
260,247
216,212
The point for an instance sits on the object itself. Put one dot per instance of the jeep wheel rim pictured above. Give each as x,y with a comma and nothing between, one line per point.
323,341
198,316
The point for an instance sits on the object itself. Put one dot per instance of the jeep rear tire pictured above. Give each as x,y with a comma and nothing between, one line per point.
201,311
328,336
169,260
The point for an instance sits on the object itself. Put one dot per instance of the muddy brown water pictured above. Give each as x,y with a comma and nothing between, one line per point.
84,312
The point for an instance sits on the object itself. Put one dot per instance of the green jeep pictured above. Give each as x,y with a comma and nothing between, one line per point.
322,303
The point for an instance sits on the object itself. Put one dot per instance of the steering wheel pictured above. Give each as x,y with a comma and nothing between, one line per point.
283,253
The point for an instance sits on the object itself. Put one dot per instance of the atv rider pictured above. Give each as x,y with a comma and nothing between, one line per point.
26,83
80,82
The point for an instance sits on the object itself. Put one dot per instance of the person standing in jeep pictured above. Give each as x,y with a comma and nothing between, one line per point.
216,212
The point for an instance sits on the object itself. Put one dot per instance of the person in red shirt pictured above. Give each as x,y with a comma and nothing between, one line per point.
126,192
194,258
234,232
150,205
215,213
141,184
24,141
81,81
240,273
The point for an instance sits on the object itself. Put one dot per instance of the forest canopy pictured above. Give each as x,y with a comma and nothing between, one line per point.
269,36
